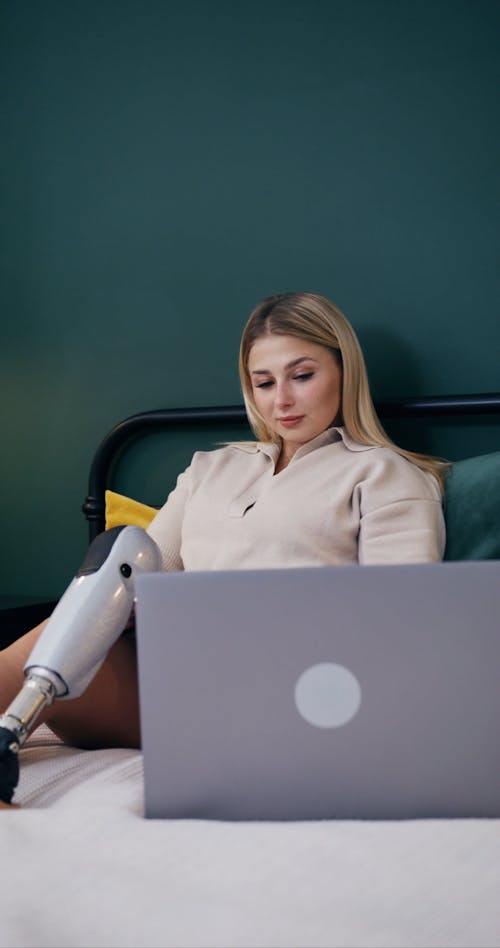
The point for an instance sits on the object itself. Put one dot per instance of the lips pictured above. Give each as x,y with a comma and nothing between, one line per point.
290,420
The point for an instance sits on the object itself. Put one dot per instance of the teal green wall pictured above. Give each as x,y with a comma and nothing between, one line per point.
167,164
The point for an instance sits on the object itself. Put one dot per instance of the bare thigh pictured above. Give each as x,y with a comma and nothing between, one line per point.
106,715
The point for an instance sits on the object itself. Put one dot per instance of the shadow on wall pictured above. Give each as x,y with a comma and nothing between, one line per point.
395,371
393,367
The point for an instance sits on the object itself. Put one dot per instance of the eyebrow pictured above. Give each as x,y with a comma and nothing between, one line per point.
289,365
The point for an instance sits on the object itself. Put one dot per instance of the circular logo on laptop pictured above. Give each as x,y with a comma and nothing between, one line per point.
327,695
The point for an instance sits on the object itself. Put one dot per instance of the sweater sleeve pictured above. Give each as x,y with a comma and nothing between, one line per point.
166,527
401,513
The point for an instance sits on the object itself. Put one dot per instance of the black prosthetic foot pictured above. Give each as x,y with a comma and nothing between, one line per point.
9,765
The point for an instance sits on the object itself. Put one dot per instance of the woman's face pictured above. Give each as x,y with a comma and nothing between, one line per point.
297,387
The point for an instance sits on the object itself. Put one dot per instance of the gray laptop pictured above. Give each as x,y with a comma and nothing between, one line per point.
348,692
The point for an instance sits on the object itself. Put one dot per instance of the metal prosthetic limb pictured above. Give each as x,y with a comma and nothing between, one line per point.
86,622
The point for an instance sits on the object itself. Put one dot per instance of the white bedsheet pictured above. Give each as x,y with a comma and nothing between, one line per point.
82,867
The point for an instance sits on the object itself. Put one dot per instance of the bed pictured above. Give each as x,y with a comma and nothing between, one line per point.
82,867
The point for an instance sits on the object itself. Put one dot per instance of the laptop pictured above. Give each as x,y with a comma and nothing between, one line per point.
321,693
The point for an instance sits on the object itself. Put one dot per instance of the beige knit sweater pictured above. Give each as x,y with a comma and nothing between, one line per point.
337,502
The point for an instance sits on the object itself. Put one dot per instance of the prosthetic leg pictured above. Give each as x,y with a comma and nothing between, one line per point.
86,622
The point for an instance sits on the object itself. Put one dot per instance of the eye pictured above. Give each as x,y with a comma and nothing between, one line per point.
303,376
266,384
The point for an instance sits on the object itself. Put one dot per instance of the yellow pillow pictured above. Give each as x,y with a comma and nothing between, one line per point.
123,511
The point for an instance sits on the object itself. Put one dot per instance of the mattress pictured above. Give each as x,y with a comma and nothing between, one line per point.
83,867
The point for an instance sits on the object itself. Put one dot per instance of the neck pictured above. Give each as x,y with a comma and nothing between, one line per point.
285,456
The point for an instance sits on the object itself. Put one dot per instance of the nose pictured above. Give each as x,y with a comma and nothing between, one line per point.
284,395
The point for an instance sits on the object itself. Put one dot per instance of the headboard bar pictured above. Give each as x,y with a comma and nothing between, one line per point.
165,418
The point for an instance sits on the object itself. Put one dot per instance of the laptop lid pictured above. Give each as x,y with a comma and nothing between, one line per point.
319,693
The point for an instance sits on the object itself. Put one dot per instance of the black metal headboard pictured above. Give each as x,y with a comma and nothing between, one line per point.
163,419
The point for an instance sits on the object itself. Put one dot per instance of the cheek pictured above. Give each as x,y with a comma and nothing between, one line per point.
328,396
259,397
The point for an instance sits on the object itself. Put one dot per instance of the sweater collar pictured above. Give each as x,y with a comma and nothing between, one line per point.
330,436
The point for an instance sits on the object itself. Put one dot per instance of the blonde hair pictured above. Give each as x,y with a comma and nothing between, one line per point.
315,318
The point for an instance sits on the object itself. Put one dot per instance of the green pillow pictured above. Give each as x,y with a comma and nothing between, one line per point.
472,509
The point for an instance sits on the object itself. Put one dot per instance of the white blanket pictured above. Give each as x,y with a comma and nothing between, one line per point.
82,867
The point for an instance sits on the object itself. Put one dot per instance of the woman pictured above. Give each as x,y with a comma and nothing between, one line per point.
323,485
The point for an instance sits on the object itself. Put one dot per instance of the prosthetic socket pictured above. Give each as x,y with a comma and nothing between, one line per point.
86,622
